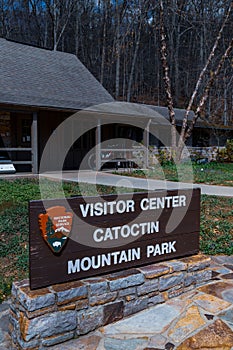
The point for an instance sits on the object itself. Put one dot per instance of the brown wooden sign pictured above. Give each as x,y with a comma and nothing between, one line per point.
82,237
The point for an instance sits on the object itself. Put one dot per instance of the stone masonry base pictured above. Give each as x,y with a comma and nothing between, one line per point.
48,316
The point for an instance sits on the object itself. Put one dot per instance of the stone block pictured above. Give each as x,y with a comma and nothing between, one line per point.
125,282
113,312
127,291
227,316
176,265
215,336
49,316
33,300
197,262
40,312
156,299
222,259
189,288
189,322
189,279
97,286
102,299
157,340
89,342
57,339
89,320
67,307
31,345
148,287
16,285
210,303
135,306
82,304
14,339
122,274
69,292
203,276
176,291
152,271
47,325
14,306
13,319
125,344
169,281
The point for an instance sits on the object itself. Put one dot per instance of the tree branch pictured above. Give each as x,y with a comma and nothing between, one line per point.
205,95
183,133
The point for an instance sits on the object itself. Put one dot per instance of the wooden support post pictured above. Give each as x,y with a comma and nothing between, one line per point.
98,146
34,132
146,135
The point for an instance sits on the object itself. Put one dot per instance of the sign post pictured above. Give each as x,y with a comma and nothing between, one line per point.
83,237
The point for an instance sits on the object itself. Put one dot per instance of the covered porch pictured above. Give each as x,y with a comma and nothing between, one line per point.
90,139
19,139
98,139
23,135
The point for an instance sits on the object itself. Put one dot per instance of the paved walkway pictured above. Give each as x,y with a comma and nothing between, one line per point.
109,179
199,319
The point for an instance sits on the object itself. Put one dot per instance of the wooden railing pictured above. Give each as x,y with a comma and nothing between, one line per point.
123,155
18,149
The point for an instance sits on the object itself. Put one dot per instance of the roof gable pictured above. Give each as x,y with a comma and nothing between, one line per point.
37,77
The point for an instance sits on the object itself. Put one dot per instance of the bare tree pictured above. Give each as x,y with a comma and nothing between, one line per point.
167,81
213,74
60,13
142,9
106,9
121,46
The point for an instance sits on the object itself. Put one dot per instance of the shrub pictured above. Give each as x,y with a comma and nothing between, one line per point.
226,154
165,157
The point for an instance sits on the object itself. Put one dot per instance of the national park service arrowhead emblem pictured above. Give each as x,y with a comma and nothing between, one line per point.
55,227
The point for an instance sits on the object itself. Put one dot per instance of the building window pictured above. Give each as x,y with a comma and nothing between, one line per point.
26,131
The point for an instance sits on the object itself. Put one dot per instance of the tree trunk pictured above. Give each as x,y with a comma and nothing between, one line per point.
77,30
176,60
55,25
167,81
225,119
117,80
134,61
106,9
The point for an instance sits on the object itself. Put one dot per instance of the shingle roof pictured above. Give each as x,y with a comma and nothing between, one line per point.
37,77
179,113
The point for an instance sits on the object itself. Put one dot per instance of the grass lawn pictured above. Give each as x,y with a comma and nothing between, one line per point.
216,224
209,173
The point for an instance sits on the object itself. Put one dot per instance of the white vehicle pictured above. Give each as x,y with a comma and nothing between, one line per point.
6,165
